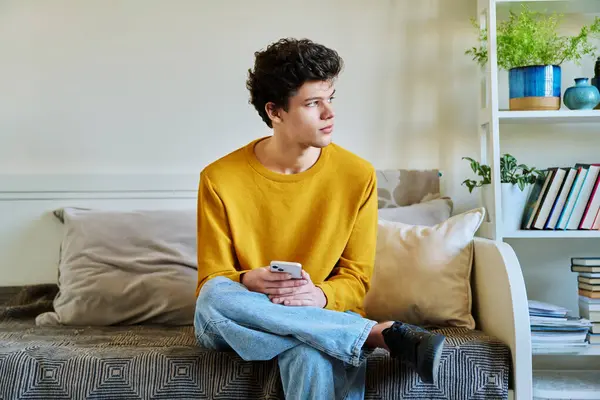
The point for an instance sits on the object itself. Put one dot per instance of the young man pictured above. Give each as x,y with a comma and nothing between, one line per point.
295,196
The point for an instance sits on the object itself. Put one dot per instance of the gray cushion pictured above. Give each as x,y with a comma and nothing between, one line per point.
126,267
428,213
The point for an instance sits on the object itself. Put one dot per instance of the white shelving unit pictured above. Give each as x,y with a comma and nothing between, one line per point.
492,122
574,384
548,117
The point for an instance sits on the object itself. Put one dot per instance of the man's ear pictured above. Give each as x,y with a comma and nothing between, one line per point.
273,112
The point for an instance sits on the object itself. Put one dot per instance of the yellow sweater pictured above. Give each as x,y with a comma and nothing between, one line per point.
324,218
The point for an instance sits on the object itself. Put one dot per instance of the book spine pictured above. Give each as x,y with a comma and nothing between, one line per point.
591,208
566,213
583,198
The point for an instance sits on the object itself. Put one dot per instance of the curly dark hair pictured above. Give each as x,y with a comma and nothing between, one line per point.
281,69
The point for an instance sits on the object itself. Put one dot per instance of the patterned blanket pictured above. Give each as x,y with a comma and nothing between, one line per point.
158,362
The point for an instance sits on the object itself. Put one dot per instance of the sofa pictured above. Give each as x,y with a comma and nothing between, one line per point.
154,360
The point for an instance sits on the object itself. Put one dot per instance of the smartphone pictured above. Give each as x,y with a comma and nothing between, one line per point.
292,268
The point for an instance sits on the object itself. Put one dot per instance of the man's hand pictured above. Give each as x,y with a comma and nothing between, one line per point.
262,280
305,295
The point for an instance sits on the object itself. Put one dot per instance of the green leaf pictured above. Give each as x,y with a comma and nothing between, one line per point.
531,38
510,172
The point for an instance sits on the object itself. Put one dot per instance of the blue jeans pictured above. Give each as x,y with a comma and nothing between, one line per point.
320,352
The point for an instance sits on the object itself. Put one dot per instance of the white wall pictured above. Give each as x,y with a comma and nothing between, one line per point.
155,86
146,86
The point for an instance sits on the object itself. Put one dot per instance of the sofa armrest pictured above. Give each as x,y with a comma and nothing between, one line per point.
500,306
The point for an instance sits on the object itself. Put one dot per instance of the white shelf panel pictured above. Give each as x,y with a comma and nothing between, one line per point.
591,350
549,6
549,117
539,234
570,384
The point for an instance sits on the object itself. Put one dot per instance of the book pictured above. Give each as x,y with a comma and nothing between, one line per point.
584,268
535,198
561,200
589,274
571,198
558,176
589,301
584,195
558,348
587,261
589,293
587,286
559,336
546,308
592,316
589,281
589,306
591,209
596,224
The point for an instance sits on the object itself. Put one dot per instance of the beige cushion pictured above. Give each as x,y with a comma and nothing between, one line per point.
126,267
422,274
428,213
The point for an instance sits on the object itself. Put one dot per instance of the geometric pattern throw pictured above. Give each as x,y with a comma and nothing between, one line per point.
157,362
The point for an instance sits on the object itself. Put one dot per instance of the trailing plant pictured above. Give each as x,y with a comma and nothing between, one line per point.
531,38
510,172
482,170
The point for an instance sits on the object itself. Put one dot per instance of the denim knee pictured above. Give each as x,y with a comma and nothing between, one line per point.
207,313
209,294
213,298
304,356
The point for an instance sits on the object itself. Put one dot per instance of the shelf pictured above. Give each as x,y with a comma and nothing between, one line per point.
570,384
591,350
539,234
549,117
549,6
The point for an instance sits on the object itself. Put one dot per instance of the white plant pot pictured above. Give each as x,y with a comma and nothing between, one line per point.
513,205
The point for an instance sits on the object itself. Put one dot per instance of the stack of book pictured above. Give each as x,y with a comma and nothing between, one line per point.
564,198
588,285
553,330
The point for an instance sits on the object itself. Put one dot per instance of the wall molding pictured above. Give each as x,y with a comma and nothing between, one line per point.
17,187
72,183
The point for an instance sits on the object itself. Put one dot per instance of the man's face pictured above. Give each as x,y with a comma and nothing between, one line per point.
309,118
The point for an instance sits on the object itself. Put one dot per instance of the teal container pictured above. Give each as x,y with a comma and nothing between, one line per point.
582,96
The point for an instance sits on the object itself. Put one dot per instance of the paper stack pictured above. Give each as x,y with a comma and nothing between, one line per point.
554,330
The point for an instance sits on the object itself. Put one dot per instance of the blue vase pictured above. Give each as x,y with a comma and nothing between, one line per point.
582,96
535,87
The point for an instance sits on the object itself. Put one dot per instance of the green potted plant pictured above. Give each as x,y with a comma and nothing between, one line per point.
531,50
516,181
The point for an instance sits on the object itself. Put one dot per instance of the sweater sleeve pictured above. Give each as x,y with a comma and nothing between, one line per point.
348,283
216,255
